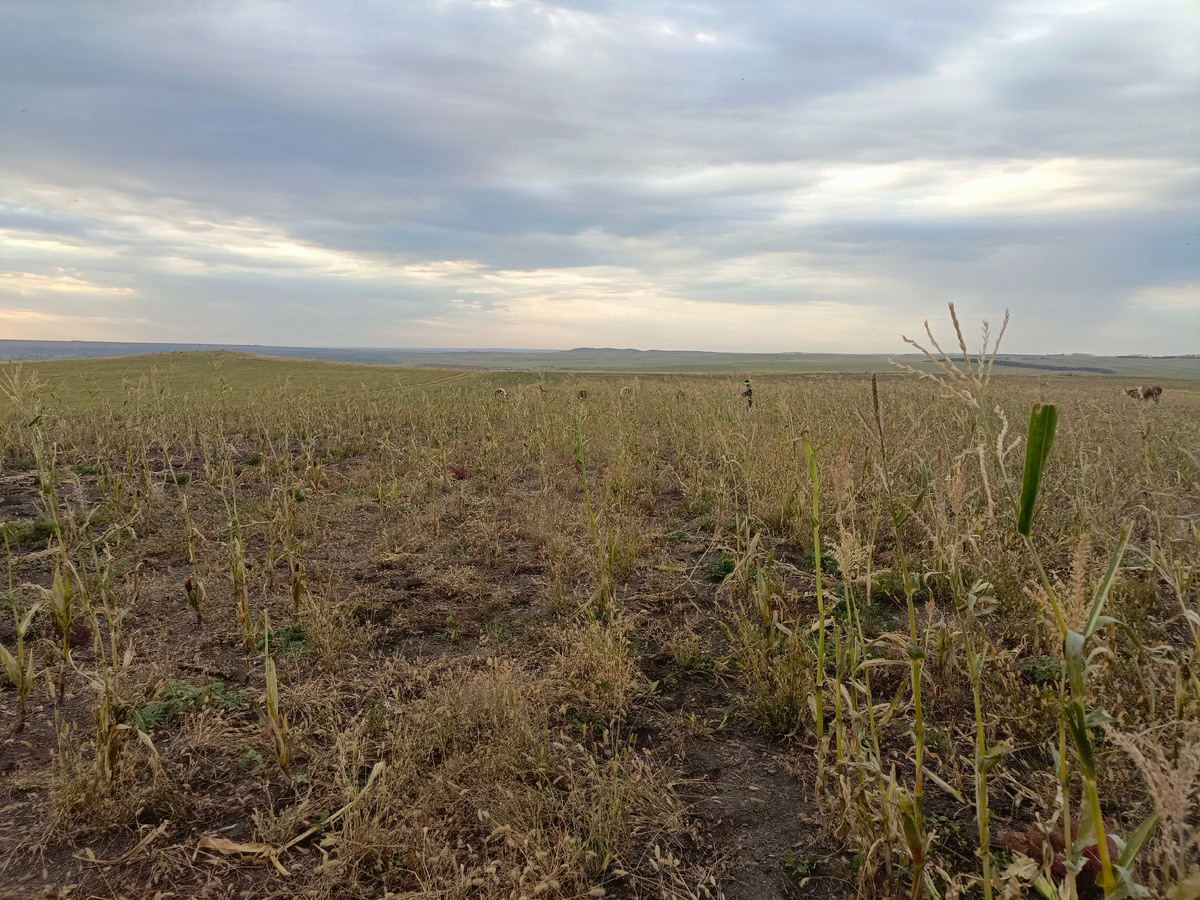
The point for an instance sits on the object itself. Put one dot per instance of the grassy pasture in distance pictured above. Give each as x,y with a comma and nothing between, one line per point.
1136,369
297,628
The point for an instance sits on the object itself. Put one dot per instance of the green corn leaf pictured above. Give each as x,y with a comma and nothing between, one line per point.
981,606
1076,662
1114,563
879,663
940,782
1045,888
911,826
23,625
1084,838
11,667
1042,422
994,755
1077,723
975,661
1054,756
810,455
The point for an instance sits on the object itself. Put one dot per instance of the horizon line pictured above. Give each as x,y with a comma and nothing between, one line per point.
220,345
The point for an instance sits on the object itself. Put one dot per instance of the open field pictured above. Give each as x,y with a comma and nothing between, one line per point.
292,628
607,359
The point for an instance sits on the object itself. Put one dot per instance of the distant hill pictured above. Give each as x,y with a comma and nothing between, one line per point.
600,359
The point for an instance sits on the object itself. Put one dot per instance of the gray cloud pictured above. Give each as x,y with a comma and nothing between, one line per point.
665,174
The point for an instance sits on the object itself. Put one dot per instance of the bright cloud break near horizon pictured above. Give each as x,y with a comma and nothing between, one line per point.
751,176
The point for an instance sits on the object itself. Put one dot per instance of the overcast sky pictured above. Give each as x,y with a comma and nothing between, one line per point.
680,175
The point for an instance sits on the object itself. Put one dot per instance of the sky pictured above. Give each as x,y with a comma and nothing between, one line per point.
743,176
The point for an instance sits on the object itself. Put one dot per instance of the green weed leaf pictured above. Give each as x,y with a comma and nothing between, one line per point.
1137,841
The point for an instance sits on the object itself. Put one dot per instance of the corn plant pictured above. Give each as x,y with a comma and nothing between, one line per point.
239,578
875,815
299,584
277,723
680,461
840,650
99,599
969,383
1077,659
61,600
19,666
109,729
193,586
281,530
102,609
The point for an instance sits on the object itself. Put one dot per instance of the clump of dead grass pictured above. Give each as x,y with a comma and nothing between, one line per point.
1172,785
593,663
487,792
87,801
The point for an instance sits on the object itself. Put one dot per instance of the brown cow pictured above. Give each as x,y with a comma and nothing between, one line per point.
1145,393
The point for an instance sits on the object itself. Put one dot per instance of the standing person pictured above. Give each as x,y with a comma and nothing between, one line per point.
748,393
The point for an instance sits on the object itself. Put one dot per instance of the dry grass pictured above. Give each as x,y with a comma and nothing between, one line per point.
492,690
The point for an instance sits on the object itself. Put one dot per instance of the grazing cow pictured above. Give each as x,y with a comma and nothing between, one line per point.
1145,393
501,394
